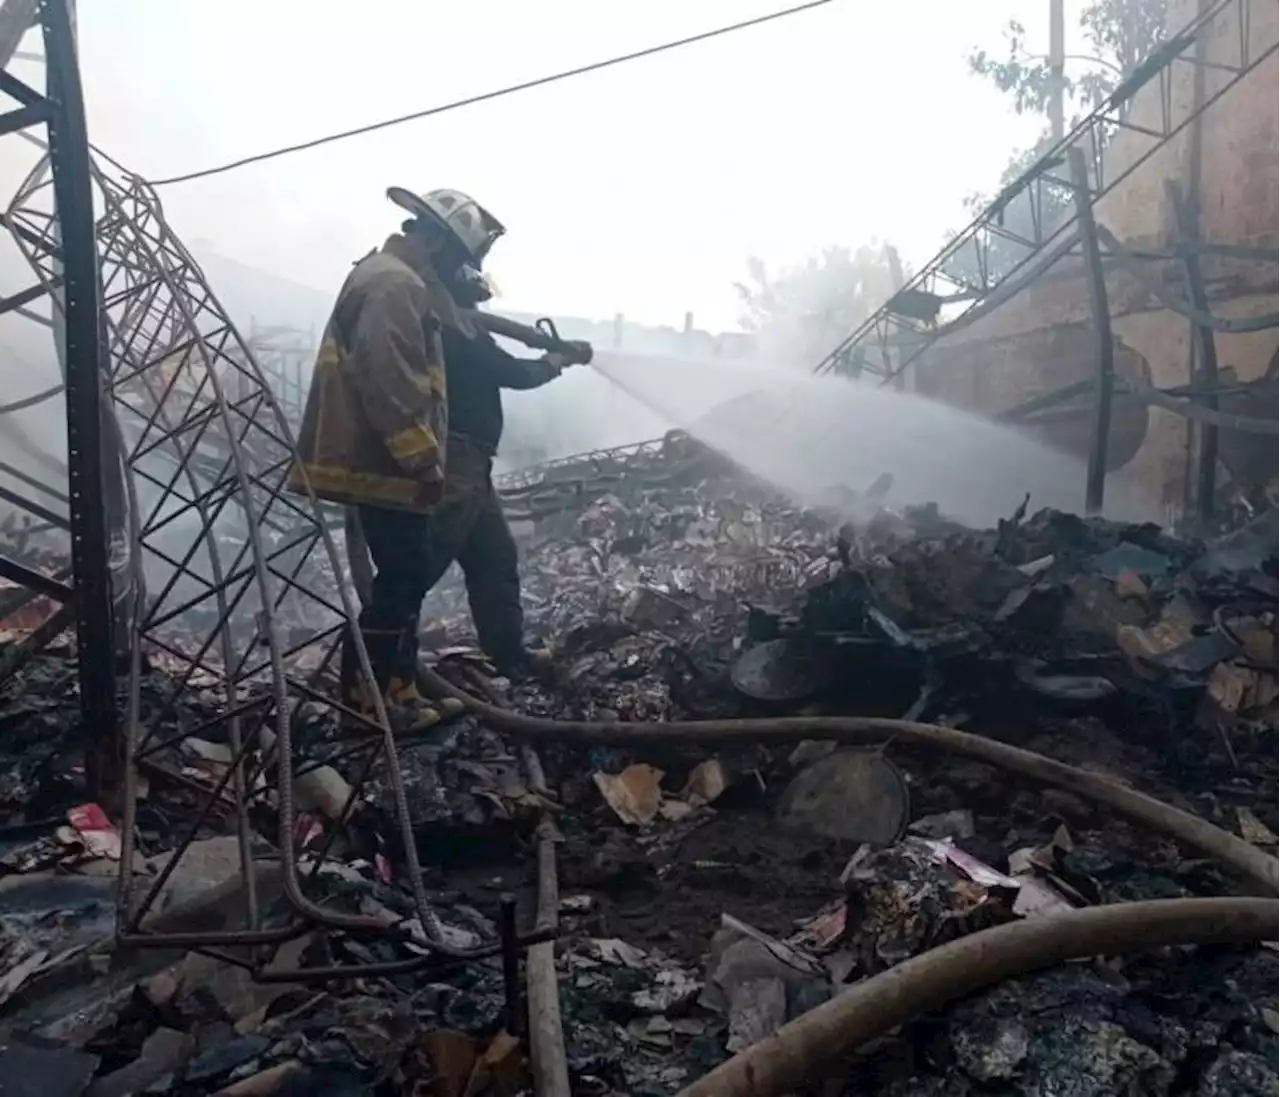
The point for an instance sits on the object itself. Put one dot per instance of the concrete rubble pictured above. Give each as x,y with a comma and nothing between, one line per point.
706,898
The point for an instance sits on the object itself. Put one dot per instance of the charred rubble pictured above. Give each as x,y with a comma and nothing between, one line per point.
706,898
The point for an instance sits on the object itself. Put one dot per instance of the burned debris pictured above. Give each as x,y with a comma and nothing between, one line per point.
710,893
1051,631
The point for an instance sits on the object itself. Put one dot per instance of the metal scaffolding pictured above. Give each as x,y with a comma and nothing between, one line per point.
285,354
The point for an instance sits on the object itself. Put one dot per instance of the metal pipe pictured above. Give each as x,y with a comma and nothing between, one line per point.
1057,84
1187,217
1104,384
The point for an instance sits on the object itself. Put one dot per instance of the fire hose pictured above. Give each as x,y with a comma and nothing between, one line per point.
783,1061
542,335
1260,869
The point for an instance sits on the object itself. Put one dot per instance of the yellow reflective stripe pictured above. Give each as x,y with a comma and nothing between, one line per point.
412,442
329,354
431,383
341,485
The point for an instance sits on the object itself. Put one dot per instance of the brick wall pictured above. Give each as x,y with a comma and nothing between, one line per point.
1041,340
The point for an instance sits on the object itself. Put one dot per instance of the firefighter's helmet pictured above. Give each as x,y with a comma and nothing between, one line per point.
466,220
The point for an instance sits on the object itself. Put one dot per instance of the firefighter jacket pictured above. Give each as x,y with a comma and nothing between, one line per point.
376,420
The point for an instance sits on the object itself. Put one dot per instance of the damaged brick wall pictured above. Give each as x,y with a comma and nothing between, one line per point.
1005,371
1038,342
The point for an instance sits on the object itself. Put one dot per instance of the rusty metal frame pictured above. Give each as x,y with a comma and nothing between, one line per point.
904,328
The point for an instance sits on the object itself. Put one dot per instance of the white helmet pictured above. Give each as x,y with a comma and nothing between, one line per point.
473,226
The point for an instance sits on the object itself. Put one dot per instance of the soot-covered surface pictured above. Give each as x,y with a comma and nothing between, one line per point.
697,915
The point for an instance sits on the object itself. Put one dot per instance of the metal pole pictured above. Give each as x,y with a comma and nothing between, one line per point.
1204,351
1104,384
1186,206
511,964
1057,82
82,312
899,280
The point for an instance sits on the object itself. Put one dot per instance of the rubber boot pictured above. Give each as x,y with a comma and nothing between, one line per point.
406,695
402,690
525,663
383,647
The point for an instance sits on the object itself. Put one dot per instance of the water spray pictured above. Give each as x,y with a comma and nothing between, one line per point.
542,335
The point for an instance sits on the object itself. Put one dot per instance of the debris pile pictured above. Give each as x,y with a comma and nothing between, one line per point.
709,897
1110,646
91,1015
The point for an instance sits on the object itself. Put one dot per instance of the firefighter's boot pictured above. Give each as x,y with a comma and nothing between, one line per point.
383,647
403,691
525,663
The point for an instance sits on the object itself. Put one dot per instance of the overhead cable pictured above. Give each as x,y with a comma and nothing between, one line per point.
30,401
498,93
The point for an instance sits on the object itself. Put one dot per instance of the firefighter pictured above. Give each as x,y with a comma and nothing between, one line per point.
468,524
375,427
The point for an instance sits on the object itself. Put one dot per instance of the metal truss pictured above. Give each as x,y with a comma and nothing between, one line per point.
966,278
262,560
233,600
596,462
284,355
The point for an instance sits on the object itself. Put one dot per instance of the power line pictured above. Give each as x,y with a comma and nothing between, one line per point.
30,401
540,81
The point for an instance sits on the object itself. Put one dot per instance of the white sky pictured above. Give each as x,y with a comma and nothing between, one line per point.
639,189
